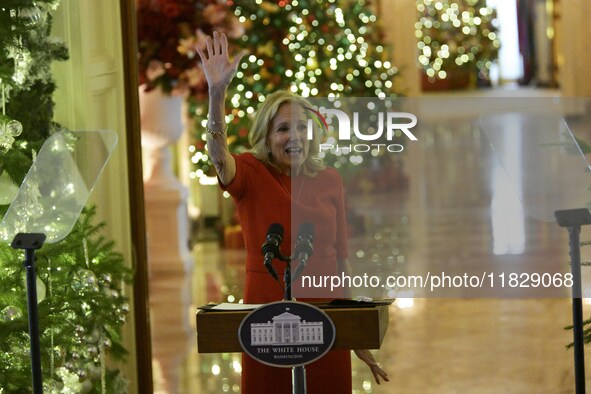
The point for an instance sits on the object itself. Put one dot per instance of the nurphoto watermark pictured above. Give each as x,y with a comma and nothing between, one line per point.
360,125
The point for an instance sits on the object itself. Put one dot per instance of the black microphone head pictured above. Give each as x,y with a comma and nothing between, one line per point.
306,229
304,241
276,229
273,239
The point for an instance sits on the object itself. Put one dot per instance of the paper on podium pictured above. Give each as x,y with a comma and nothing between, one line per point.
58,183
227,306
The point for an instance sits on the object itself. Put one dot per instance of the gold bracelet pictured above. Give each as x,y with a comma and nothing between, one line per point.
215,133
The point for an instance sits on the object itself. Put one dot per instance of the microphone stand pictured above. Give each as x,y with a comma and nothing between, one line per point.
298,374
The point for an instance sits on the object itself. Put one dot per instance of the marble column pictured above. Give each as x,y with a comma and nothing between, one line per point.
169,259
165,196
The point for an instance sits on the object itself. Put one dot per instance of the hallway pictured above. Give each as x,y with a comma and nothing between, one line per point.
441,214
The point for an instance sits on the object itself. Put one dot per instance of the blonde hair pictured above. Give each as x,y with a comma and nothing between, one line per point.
261,126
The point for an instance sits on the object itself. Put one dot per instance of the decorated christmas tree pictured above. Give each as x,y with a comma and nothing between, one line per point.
80,280
314,48
456,35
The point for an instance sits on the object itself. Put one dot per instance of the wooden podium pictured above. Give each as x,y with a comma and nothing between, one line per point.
357,327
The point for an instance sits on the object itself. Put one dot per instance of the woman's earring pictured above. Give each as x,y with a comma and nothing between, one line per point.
268,149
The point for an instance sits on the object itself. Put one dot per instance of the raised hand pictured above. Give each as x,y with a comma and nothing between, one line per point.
218,68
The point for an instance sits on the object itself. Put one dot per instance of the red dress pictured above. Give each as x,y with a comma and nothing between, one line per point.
264,196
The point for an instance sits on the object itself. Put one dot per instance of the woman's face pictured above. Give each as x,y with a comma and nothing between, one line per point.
287,138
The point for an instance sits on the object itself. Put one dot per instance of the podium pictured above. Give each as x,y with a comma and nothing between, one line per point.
357,327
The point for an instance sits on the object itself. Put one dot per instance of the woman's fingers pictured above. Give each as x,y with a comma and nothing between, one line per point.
219,71
209,45
224,44
379,373
376,376
237,59
217,43
201,54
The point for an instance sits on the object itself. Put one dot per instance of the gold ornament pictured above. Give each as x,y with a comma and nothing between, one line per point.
266,49
270,7
265,74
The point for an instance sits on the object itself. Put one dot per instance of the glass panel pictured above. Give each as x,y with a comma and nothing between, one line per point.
542,159
482,175
58,184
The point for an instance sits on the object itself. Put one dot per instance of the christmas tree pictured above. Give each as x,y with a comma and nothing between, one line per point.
80,279
314,48
456,34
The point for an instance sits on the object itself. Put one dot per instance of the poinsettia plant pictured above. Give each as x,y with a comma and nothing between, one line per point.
169,32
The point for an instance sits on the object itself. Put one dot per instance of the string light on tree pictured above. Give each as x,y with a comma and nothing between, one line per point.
456,34
313,48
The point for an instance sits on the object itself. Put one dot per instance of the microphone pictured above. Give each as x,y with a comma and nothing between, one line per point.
270,247
304,246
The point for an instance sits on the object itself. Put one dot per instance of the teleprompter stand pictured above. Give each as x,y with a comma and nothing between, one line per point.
29,243
573,219
552,183
56,189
